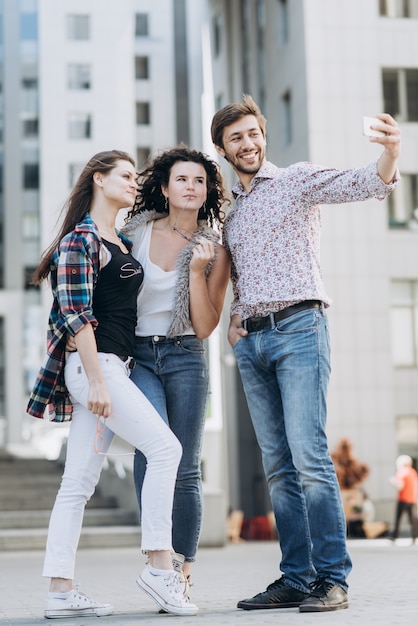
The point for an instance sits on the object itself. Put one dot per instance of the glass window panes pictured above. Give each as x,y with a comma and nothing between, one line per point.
79,126
283,22
412,94
29,83
217,33
400,93
28,26
390,92
79,76
78,27
287,118
403,203
141,25
404,323
398,8
143,114
2,368
30,226
142,154
74,171
141,67
28,273
30,127
31,176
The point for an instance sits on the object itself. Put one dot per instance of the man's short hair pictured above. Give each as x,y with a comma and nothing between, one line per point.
232,113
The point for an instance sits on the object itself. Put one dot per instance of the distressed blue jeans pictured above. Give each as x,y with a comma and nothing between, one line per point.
285,370
172,373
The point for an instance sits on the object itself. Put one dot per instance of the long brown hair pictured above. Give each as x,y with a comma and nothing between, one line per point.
79,202
157,174
232,113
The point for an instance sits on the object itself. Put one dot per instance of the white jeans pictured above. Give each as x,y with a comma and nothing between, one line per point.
133,419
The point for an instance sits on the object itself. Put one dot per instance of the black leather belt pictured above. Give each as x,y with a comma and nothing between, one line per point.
128,360
254,324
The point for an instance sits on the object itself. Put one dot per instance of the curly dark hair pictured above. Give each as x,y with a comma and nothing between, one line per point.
157,173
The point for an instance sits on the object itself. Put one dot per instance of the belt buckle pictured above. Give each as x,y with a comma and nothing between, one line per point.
259,324
131,363
254,324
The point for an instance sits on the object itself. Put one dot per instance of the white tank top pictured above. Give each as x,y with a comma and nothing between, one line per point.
156,297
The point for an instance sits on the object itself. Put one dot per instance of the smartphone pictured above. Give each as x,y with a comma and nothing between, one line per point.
367,123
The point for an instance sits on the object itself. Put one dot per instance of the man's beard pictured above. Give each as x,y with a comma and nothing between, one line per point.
250,168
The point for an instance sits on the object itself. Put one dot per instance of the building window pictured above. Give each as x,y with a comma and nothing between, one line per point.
30,127
31,176
398,8
219,100
247,54
79,76
78,27
141,25
407,435
28,273
141,68
261,52
31,84
142,156
29,26
217,33
403,203
2,370
283,37
287,118
74,171
143,115
404,322
79,126
30,226
400,93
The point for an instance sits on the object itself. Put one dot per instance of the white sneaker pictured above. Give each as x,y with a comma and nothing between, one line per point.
167,592
76,605
185,581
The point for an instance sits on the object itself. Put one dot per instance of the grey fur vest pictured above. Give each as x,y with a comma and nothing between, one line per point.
180,320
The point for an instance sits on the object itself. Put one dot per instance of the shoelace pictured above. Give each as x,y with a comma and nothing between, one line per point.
84,596
320,587
276,584
173,581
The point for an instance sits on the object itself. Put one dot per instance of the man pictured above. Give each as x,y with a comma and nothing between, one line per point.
279,334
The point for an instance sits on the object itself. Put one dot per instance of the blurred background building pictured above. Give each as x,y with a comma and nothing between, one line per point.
140,75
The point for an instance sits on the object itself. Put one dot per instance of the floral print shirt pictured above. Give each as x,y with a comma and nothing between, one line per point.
273,232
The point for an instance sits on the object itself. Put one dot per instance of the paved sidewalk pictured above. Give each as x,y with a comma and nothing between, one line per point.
383,587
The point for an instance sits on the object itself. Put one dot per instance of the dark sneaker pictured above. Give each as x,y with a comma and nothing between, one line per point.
324,596
278,595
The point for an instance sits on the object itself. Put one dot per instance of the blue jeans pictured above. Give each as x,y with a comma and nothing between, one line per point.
173,375
285,371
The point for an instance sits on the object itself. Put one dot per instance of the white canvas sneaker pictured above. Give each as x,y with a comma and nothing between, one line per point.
185,581
76,605
167,592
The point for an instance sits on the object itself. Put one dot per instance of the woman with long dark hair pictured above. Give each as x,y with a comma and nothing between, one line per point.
95,282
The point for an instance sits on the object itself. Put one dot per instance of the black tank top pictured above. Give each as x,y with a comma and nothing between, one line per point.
114,302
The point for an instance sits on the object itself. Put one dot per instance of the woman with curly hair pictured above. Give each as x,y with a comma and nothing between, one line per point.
186,272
